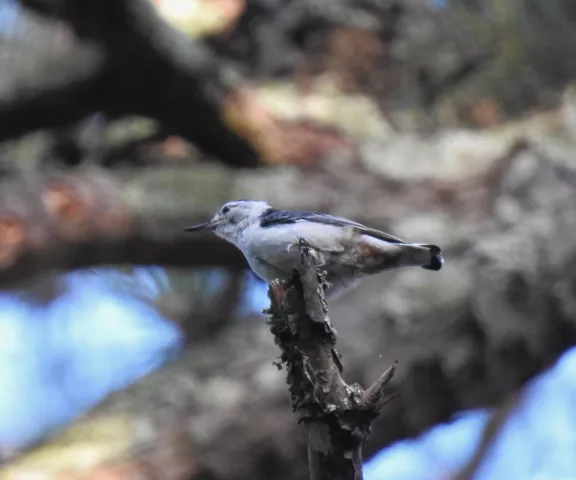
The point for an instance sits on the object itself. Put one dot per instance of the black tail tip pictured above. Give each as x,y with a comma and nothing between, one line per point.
436,258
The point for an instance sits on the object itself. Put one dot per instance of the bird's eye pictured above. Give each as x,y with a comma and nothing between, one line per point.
225,210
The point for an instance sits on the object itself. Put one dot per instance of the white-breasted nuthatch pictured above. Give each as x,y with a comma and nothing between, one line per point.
269,239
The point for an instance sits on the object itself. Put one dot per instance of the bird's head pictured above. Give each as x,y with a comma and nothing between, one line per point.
232,217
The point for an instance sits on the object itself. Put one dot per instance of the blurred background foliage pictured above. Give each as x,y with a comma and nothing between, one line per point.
129,350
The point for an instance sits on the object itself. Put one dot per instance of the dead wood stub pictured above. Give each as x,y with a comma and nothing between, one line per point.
337,416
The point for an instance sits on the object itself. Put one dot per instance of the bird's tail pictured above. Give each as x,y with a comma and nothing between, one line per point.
376,255
428,257
436,259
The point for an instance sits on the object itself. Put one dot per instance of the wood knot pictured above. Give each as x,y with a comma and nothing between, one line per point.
12,236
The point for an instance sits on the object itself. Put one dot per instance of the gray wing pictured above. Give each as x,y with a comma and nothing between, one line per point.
274,217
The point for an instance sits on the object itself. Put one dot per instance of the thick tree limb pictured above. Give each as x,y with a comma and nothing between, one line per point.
337,416
141,66
61,91
93,217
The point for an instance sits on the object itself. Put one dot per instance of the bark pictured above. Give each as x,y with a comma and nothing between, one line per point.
337,416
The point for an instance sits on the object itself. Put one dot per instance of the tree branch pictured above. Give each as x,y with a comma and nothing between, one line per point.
142,66
337,416
93,217
492,429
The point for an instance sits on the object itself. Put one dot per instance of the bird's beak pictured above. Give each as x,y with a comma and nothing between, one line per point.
203,226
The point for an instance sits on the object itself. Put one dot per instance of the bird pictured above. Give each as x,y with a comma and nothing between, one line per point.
269,238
